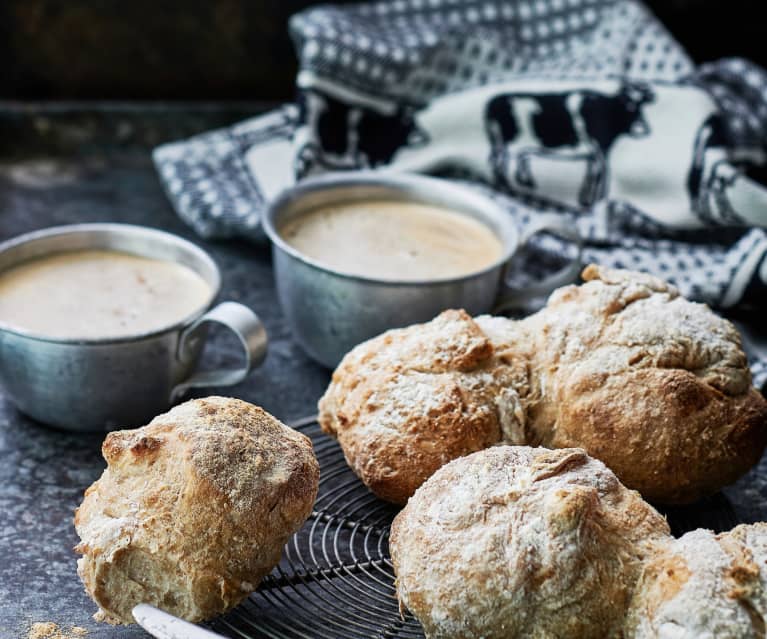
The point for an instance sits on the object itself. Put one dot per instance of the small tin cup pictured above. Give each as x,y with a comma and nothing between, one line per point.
101,384
330,311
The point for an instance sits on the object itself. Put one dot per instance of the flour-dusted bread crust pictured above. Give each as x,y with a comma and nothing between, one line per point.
522,542
407,402
654,385
193,510
704,586
529,542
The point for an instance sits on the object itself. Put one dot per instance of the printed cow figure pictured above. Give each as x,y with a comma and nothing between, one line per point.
580,125
341,135
711,175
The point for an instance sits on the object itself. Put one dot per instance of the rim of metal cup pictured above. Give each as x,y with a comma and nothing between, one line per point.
409,187
135,231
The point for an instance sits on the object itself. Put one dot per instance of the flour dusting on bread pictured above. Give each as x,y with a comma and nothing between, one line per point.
526,542
522,542
410,400
193,510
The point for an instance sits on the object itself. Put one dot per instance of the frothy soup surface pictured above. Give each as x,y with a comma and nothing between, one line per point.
98,294
392,240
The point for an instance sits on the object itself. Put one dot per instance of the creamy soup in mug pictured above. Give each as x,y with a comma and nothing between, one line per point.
98,294
394,240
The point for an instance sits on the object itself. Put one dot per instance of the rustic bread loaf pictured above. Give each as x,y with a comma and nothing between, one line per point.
193,510
522,542
655,386
407,402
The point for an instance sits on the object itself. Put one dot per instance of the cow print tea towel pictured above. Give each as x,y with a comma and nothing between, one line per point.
588,108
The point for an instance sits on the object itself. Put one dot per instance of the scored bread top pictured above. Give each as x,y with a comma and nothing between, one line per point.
405,403
652,384
620,319
522,542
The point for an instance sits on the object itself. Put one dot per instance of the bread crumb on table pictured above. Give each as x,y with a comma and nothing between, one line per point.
50,630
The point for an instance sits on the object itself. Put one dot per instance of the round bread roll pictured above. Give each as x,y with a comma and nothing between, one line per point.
193,510
704,586
653,385
407,402
522,542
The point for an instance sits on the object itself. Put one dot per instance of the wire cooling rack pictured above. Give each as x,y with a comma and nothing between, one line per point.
335,580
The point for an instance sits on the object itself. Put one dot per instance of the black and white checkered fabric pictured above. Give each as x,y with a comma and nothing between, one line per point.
585,107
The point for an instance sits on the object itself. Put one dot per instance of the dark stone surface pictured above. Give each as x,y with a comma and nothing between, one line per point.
92,164
44,472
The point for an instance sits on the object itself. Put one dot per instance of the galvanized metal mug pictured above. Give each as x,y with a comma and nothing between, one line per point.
330,311
100,384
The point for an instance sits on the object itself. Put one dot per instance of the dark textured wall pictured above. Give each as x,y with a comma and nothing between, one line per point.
233,49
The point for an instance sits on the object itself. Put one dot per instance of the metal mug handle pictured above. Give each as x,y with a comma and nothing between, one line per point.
248,328
546,223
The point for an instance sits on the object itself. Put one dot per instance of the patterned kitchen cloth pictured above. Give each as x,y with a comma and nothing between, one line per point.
584,107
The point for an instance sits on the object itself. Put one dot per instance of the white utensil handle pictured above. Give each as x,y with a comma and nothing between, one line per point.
161,625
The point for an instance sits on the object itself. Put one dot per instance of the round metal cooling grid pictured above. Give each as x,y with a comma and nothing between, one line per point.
335,580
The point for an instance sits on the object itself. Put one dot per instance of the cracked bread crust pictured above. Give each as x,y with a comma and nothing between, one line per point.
410,400
193,509
522,542
530,542
652,384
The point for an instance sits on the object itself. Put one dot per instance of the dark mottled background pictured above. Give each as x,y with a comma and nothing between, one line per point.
235,49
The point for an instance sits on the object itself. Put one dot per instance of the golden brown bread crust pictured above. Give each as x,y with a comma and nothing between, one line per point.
663,432
193,509
522,542
655,386
407,402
